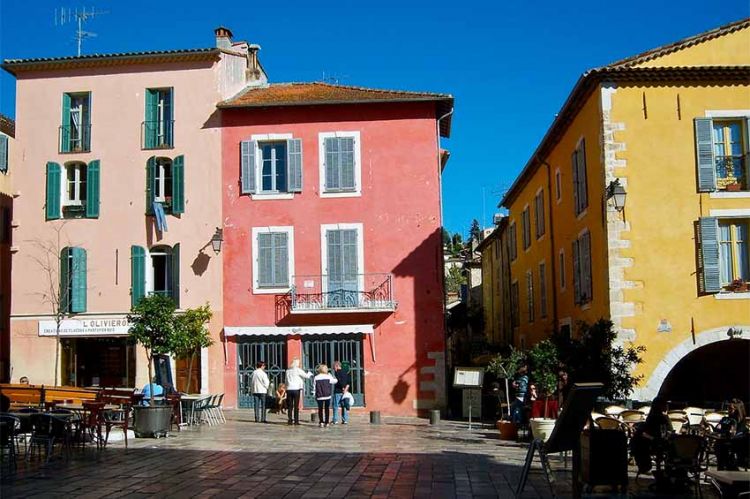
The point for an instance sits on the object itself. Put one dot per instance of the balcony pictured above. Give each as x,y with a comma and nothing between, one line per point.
331,293
731,173
74,138
157,134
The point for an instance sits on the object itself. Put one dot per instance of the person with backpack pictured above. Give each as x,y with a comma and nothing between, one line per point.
323,392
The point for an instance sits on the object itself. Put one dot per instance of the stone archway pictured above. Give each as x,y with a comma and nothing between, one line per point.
670,360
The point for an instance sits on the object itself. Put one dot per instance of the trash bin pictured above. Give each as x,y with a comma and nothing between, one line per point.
374,417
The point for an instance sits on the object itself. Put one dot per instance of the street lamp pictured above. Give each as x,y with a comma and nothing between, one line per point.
616,192
217,239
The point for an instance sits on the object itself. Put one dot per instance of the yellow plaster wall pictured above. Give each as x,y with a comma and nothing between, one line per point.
662,206
726,50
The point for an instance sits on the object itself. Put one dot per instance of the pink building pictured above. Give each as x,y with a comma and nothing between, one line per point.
332,228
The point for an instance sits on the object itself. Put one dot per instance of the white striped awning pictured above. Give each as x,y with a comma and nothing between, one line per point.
296,330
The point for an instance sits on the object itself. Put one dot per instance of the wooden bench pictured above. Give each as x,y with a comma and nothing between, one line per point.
69,393
23,395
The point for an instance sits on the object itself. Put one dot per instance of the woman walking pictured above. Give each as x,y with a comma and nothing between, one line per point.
260,383
323,391
295,381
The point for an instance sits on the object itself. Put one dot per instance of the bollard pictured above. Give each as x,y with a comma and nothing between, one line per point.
434,416
374,417
314,417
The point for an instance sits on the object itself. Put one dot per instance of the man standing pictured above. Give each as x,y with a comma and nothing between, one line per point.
260,384
343,380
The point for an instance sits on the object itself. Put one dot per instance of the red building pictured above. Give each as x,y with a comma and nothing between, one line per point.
332,239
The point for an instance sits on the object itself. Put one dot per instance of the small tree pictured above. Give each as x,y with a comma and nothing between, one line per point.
454,280
191,335
505,366
153,326
475,232
545,363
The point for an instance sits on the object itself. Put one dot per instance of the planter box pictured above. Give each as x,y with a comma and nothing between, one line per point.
152,421
507,429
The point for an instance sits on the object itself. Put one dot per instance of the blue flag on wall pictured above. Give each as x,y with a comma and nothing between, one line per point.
161,217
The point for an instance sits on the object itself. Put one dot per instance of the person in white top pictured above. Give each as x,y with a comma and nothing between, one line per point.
323,392
295,382
260,384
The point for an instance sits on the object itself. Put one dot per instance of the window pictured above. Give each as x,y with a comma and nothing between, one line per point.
539,213
73,280
343,264
155,272
562,269
530,296
340,165
722,150
271,165
580,183
558,186
526,222
158,127
273,259
542,290
4,153
72,190
515,312
75,130
165,184
582,282
512,242
734,265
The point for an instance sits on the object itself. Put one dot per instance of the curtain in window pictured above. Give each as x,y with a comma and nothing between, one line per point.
741,233
725,253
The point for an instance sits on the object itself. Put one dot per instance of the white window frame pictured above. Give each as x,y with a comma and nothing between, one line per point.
157,249
79,167
259,139
160,178
289,230
359,227
357,192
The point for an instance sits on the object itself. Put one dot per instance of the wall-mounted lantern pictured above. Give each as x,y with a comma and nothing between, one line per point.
616,192
217,239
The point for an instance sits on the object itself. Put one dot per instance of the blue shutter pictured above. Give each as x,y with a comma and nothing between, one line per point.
709,232
65,280
3,153
92,189
65,127
150,179
178,185
137,274
346,153
175,261
704,154
294,163
78,280
265,260
247,167
52,209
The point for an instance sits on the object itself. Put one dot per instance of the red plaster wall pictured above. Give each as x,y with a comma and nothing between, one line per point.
400,211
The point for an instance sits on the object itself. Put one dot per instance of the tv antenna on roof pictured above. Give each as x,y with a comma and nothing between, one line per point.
64,16
333,78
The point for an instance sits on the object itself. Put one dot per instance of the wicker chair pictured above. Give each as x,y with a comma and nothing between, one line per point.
608,423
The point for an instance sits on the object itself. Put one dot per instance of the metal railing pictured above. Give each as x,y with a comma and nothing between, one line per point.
731,173
157,134
74,138
342,292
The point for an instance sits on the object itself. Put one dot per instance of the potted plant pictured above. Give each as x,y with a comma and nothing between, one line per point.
738,286
504,367
544,365
190,336
152,324
733,187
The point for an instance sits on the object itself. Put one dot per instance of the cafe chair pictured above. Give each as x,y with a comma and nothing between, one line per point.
47,430
678,421
609,423
632,416
117,418
684,458
9,425
92,422
614,410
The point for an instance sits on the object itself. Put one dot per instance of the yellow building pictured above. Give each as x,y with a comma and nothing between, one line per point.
7,157
671,268
495,296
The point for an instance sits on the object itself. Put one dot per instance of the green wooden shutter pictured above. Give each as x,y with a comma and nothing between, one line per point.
169,117
178,185
294,163
150,127
150,178
175,262
704,154
709,232
137,274
52,209
86,124
65,280
247,167
92,189
3,153
78,280
65,128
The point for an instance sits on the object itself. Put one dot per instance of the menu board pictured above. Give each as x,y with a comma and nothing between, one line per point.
470,377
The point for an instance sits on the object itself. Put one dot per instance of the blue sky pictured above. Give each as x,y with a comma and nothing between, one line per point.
510,65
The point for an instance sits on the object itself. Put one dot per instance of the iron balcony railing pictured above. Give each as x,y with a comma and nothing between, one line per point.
731,173
157,134
74,138
342,292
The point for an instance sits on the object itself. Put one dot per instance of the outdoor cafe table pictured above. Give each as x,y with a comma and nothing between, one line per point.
731,483
79,407
188,403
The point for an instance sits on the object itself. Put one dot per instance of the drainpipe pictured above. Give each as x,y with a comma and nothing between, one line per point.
553,259
441,263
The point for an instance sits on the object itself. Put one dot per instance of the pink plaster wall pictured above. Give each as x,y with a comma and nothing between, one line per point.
400,212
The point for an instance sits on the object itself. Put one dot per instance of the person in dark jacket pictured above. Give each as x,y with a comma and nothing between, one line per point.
732,448
651,433
323,392
343,382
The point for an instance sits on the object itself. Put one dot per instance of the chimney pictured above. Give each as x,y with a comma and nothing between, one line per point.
253,72
223,37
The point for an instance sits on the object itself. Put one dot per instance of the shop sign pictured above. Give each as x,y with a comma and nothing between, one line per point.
86,327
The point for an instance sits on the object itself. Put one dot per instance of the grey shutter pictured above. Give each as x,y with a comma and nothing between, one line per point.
585,265
265,260
334,271
583,195
346,152
294,163
704,154
280,259
3,153
574,168
332,167
349,266
247,162
709,228
576,274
